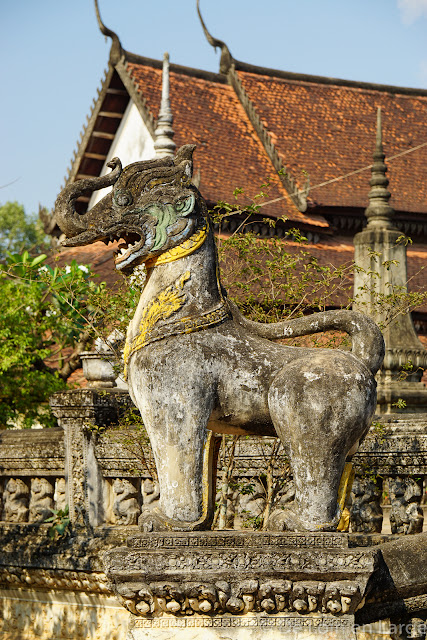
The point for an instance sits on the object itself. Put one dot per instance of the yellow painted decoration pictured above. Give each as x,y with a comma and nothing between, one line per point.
161,307
344,490
184,249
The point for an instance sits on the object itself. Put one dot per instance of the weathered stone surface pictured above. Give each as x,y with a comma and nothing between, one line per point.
126,507
225,372
240,585
80,413
399,587
32,452
236,540
116,460
224,573
53,614
16,498
366,514
243,628
406,560
381,255
41,499
406,514
28,546
401,448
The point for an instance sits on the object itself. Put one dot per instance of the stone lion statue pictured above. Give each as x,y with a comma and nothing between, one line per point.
195,365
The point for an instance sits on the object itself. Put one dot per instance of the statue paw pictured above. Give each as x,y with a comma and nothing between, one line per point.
153,519
288,519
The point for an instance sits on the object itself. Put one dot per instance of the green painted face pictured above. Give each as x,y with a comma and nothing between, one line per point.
168,214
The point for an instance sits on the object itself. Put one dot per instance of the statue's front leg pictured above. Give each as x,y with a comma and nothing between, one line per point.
175,413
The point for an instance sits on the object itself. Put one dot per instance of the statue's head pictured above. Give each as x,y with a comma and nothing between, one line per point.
152,208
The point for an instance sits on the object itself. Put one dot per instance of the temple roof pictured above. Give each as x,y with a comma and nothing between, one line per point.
253,125
253,121
327,129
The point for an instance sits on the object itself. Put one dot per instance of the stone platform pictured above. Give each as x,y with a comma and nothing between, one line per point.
240,585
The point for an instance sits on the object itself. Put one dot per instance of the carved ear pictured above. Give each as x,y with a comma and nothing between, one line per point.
184,206
184,156
184,153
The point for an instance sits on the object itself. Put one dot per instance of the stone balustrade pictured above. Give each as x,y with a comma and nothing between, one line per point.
106,475
32,480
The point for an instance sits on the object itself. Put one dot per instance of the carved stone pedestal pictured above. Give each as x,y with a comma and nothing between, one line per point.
238,585
248,627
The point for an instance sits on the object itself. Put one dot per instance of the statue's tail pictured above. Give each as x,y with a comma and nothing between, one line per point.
367,340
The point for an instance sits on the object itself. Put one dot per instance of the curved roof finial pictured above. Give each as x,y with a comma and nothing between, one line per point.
379,212
116,51
226,57
164,144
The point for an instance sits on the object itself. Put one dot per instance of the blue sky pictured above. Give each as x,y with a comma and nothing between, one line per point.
53,57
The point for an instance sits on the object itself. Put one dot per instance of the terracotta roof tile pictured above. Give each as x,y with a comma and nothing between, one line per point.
329,130
229,153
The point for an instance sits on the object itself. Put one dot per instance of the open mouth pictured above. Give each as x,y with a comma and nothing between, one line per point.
128,243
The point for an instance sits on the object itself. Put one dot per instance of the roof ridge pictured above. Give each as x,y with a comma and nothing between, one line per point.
135,58
305,77
298,196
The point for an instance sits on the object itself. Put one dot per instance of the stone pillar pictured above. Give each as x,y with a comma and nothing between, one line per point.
82,413
380,252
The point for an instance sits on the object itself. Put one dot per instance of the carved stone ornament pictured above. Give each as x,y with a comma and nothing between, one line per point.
195,365
27,578
125,507
406,513
41,499
183,580
15,501
366,514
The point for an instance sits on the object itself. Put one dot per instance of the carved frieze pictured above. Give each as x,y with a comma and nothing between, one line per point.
28,578
320,624
236,540
293,562
15,501
41,500
267,596
234,574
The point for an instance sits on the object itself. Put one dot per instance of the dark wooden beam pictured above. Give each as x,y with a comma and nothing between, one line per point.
103,134
95,156
110,114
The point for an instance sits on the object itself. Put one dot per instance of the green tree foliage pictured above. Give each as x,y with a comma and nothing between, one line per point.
36,328
49,315
276,278
19,232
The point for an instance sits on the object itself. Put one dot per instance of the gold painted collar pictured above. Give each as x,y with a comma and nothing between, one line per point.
184,249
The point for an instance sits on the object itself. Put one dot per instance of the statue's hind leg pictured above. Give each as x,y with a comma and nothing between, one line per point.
320,406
